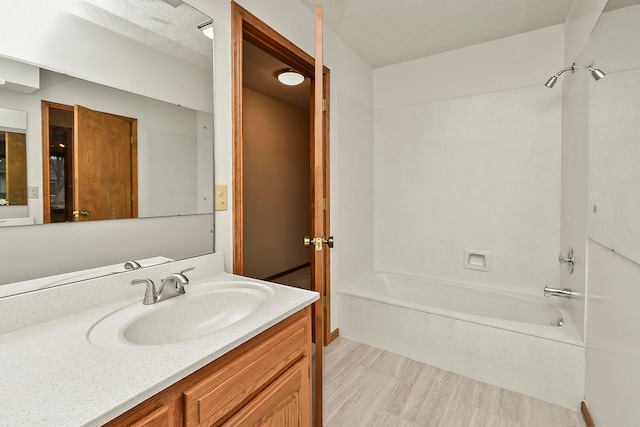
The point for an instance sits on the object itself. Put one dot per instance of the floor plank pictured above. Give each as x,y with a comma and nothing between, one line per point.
367,386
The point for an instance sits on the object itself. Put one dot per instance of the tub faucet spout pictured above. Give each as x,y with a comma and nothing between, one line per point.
564,293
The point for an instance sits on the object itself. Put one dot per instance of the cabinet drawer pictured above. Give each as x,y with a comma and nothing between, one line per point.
220,395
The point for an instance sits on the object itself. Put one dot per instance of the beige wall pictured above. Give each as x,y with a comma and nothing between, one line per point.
276,185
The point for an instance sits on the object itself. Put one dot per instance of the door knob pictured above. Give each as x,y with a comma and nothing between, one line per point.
83,213
318,242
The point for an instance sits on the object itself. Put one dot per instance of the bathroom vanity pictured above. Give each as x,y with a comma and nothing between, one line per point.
230,351
266,381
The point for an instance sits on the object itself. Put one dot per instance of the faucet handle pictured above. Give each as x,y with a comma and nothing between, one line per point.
132,265
151,295
187,269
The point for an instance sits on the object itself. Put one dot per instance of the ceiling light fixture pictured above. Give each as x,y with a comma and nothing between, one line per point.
207,28
2,82
290,77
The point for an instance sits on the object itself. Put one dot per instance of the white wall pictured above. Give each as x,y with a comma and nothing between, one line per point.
467,156
609,297
42,33
612,374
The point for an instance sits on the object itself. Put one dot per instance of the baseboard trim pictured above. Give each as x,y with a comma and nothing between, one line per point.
586,415
289,271
333,336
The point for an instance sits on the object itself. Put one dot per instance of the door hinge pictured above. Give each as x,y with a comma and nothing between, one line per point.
131,139
324,203
324,105
324,302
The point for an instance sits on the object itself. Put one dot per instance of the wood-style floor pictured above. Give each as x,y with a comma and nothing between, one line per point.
366,386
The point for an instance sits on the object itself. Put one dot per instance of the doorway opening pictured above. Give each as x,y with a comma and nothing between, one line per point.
276,176
248,32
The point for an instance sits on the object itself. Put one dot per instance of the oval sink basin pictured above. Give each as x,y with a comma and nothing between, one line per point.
192,315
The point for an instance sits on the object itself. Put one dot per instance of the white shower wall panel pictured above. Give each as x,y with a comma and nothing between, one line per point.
479,172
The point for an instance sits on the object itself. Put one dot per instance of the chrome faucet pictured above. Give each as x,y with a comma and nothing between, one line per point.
132,265
171,286
565,293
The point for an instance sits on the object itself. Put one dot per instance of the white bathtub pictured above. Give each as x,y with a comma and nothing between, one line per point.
494,337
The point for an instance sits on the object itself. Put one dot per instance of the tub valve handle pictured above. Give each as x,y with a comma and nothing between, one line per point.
569,259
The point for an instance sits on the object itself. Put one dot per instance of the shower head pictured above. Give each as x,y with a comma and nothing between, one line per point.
596,73
553,79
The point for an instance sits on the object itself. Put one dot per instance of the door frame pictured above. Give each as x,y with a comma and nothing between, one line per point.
246,26
46,171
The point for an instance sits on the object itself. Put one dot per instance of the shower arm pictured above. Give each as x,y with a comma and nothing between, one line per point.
564,70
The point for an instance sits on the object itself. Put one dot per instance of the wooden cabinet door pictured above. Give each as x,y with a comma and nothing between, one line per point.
158,418
225,391
283,404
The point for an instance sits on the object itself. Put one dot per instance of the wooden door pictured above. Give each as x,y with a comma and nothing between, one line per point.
16,158
104,166
317,215
246,26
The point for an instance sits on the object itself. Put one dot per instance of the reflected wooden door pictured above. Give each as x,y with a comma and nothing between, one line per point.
16,158
104,166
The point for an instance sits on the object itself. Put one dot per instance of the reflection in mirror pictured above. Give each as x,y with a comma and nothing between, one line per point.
614,130
13,162
145,60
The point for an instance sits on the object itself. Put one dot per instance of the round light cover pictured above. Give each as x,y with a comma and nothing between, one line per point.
290,78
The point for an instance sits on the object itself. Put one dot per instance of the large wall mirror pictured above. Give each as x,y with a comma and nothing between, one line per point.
106,111
614,130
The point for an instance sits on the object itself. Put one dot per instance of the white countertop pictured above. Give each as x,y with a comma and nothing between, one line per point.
53,375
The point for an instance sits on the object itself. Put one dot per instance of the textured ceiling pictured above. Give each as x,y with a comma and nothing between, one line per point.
385,32
167,25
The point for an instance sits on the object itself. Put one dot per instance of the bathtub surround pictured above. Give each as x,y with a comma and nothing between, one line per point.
479,172
501,339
